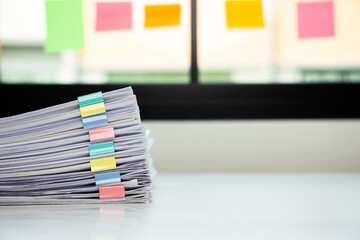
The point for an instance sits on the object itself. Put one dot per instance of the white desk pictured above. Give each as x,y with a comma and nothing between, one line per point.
205,206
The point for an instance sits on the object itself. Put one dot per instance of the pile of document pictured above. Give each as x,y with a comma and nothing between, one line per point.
90,150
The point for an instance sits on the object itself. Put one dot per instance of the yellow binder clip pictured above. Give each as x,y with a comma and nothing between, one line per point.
92,109
102,164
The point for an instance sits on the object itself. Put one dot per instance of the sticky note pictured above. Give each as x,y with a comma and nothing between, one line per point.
316,19
240,14
64,23
113,16
162,15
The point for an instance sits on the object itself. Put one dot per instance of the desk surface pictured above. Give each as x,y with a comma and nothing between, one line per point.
207,206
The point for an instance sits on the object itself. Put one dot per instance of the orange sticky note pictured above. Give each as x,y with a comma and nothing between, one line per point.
162,15
240,14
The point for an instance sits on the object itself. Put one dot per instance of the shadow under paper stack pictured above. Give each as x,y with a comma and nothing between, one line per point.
93,150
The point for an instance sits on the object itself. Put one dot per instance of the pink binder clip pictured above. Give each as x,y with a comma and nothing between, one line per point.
101,134
112,191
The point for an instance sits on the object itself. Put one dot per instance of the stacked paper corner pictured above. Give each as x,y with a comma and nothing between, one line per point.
95,151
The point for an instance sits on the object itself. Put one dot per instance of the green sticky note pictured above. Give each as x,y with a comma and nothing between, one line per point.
64,19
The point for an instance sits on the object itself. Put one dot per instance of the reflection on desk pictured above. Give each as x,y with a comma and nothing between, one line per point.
207,206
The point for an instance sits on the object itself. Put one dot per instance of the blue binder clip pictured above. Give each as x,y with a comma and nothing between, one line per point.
107,178
95,120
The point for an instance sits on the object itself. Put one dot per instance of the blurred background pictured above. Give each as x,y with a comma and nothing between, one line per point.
275,52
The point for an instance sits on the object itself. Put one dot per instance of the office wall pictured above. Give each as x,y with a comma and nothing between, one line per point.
253,146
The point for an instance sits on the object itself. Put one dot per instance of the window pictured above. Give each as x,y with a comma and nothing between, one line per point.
276,52
126,55
199,69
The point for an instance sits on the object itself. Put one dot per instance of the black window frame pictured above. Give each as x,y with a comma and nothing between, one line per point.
202,101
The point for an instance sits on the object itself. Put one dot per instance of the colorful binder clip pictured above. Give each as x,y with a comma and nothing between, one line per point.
102,164
96,120
112,191
101,134
93,113
107,178
93,109
90,99
96,149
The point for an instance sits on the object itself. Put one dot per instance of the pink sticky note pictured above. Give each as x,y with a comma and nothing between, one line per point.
113,16
316,19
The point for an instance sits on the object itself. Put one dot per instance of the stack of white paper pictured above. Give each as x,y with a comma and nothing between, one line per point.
91,150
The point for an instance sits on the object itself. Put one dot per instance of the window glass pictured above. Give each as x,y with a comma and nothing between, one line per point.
287,49
125,53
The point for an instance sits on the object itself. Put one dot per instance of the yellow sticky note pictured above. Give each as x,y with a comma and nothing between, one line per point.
162,15
102,164
93,109
240,14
